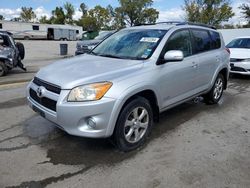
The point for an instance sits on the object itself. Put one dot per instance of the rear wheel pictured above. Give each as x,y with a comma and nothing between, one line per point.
134,124
3,69
215,94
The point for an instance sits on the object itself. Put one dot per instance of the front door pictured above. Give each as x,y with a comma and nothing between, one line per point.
177,80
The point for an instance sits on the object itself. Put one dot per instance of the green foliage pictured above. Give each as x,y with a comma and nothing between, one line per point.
130,12
118,18
27,14
137,11
69,12
58,16
246,11
1,17
16,19
84,9
101,15
96,19
212,12
44,20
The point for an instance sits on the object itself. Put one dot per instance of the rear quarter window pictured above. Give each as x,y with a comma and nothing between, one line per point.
202,40
216,40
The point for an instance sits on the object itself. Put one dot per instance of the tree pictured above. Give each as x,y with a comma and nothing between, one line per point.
89,23
27,14
101,15
212,12
58,16
70,10
44,20
15,19
1,17
84,9
137,11
246,11
96,19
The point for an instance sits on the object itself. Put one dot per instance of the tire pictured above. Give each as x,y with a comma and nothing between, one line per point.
21,49
3,69
215,94
130,124
26,38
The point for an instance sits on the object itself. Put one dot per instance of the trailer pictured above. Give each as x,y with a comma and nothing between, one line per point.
25,30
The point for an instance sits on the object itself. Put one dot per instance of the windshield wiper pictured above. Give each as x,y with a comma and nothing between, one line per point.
93,53
109,55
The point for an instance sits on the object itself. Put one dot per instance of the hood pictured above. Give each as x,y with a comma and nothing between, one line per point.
239,53
87,69
88,42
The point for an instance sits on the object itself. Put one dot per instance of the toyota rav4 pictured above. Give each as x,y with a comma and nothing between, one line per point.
119,89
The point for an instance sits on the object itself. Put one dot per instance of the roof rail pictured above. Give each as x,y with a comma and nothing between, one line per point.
180,23
197,24
187,23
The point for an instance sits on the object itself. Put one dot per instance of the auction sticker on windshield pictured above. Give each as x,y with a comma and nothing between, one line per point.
149,39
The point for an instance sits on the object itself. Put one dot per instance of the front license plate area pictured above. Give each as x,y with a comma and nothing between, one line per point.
37,110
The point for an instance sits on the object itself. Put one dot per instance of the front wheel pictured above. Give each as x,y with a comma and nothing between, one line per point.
133,125
215,94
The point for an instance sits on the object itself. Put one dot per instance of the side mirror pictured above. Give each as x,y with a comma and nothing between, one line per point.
173,55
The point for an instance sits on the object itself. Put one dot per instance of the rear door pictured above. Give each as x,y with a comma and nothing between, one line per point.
207,55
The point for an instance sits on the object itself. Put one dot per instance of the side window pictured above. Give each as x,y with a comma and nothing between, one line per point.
216,41
35,27
202,40
77,31
180,40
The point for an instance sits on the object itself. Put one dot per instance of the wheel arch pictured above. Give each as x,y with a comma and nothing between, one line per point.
148,94
224,72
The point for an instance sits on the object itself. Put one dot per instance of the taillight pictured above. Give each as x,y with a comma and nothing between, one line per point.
227,49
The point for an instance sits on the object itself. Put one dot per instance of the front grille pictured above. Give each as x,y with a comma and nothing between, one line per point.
238,69
50,87
84,49
44,101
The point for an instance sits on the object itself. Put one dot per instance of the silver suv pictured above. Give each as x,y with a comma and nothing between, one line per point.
119,89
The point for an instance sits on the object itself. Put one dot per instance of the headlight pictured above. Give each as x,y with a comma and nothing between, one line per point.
90,47
89,92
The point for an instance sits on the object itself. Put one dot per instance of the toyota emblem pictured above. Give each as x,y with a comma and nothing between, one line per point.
40,91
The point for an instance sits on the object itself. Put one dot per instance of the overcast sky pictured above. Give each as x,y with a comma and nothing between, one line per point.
169,9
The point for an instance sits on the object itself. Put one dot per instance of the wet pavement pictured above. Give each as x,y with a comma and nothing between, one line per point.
193,145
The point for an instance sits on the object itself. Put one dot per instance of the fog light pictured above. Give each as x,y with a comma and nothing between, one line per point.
91,123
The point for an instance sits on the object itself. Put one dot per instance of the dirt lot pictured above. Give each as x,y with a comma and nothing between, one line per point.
193,145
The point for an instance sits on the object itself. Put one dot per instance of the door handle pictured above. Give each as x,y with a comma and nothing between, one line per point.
194,65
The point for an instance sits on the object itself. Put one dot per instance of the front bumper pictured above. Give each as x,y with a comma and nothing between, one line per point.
75,117
240,68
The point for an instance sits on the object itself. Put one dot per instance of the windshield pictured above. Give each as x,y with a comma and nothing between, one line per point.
130,44
103,35
239,43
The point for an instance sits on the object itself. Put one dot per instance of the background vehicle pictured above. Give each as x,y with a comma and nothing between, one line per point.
86,46
25,30
11,53
119,89
240,55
